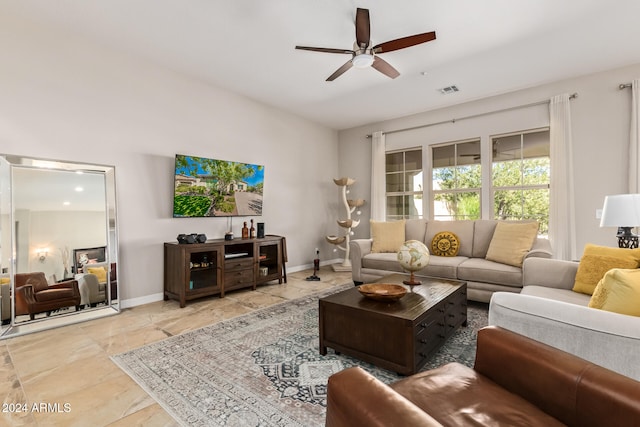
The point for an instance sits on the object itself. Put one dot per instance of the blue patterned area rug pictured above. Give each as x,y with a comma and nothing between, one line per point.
262,368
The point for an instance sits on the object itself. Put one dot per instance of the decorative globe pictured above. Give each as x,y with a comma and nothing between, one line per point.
413,255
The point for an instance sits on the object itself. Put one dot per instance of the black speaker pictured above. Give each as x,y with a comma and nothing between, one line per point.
201,238
261,230
182,238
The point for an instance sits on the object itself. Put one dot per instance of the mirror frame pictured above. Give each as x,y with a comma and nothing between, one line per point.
7,163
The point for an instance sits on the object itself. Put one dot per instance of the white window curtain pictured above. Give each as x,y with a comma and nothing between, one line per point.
562,234
634,142
378,152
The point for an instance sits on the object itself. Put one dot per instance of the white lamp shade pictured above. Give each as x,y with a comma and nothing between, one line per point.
621,210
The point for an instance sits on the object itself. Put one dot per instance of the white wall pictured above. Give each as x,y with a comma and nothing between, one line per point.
62,98
600,125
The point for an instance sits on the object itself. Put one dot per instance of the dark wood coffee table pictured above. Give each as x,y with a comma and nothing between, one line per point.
400,335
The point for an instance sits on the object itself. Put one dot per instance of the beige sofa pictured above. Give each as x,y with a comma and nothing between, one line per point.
548,310
483,277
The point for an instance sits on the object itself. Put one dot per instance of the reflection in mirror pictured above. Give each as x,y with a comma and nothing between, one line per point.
58,250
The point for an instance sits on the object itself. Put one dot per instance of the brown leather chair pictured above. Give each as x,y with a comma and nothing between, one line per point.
34,295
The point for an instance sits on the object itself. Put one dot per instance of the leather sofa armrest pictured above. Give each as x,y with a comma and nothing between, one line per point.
356,398
541,374
69,284
552,273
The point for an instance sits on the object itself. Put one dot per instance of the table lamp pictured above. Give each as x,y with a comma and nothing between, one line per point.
622,211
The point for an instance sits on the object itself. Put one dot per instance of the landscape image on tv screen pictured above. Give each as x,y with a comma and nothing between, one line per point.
209,187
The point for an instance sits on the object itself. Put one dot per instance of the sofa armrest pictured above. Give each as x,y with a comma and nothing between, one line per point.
358,248
586,332
552,273
357,398
541,249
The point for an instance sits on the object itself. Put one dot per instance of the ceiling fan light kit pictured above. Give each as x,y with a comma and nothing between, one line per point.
362,60
363,55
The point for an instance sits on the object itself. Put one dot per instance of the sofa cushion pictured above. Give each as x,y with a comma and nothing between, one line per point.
450,394
557,294
597,260
462,229
445,243
382,261
482,270
444,267
482,233
618,291
414,229
511,241
387,236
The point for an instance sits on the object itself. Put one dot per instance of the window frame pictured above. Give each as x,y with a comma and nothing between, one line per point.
402,173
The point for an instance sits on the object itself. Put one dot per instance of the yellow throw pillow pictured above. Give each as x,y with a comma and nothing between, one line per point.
511,241
100,272
4,280
445,243
387,236
618,291
597,260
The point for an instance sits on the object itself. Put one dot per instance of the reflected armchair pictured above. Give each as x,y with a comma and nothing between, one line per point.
34,295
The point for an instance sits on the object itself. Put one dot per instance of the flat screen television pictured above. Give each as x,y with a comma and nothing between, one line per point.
209,187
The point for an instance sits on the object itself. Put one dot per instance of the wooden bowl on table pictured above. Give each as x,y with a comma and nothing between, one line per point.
385,292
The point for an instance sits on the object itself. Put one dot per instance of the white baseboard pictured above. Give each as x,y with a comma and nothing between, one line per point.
128,303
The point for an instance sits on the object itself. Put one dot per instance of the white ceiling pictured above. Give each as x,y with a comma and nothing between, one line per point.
484,47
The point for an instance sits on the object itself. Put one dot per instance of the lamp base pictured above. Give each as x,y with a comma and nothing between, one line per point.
630,241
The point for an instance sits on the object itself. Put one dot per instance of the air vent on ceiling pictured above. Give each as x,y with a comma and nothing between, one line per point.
449,89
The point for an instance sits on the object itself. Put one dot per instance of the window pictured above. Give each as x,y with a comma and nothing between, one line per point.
520,177
404,184
457,178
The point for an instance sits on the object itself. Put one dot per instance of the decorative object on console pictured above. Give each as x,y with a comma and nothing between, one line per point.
252,231
261,230
245,231
348,224
622,211
413,256
445,243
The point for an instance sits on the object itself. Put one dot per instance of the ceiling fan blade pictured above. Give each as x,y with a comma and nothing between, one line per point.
409,41
363,28
340,71
325,49
384,67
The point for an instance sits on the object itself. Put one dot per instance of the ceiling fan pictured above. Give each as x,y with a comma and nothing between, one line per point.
363,55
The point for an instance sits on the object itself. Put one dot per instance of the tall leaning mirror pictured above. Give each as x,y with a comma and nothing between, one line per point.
58,243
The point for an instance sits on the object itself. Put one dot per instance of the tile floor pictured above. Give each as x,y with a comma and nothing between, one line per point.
64,376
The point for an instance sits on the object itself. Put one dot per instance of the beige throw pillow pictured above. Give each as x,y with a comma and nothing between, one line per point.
387,236
511,241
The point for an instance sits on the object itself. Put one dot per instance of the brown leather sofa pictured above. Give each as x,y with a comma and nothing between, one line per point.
34,295
515,382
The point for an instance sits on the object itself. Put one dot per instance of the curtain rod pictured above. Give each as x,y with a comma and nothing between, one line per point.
624,85
473,116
